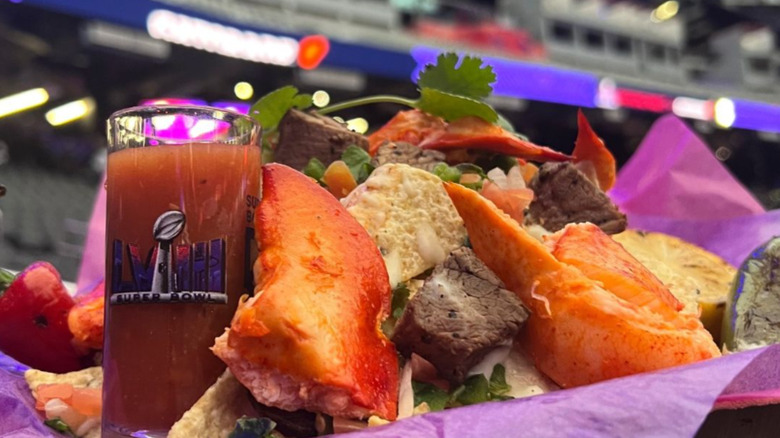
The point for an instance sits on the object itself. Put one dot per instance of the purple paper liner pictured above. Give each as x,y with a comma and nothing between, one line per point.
718,236
671,402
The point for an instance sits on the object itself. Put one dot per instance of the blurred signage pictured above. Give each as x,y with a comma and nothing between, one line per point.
313,49
758,116
246,18
643,101
221,39
100,33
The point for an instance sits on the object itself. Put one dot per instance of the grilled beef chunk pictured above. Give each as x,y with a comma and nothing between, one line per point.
564,195
459,315
407,153
303,136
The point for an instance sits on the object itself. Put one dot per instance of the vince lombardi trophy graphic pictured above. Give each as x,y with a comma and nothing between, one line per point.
169,225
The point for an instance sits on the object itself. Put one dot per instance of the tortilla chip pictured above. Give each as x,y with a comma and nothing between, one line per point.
86,378
215,413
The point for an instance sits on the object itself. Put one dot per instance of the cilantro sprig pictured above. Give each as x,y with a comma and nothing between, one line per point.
271,108
469,79
476,389
60,426
448,89
452,88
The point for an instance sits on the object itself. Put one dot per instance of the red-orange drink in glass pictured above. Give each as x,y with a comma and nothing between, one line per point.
179,242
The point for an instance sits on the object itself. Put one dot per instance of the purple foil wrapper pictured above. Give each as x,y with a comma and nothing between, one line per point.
672,184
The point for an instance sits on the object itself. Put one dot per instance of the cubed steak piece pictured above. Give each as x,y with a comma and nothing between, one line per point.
303,136
461,313
407,153
564,195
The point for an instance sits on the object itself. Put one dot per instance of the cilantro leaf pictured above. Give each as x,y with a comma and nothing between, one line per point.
471,168
400,299
447,173
436,398
358,161
478,389
397,305
252,428
497,384
60,426
503,162
314,169
451,106
271,108
469,79
455,174
474,390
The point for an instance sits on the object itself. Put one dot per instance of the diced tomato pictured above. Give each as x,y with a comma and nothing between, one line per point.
44,393
511,201
424,371
88,401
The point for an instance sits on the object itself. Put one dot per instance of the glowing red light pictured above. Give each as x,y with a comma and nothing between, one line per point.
312,50
643,101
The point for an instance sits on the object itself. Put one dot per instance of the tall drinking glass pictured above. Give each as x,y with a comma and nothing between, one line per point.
182,184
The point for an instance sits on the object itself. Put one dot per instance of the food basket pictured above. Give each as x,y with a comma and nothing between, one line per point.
672,184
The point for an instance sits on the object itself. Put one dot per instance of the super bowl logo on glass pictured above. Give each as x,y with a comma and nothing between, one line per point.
189,273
